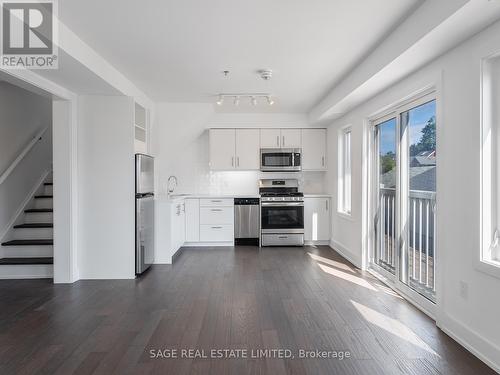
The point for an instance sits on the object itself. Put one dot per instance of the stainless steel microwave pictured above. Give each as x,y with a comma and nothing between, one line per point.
280,159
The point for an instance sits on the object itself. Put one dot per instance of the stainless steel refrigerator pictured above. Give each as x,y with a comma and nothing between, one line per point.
144,212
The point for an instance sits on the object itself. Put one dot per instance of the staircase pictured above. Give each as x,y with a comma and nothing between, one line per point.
28,252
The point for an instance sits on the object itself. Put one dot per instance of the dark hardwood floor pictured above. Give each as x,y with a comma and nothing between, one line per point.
224,298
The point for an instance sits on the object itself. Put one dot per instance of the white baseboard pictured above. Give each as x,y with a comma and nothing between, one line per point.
345,252
481,347
317,243
208,244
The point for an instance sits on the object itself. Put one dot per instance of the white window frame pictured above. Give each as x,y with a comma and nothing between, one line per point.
488,260
344,196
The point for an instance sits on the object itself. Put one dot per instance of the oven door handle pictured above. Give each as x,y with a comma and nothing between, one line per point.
282,204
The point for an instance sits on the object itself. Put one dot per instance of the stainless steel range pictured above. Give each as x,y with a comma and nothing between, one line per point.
282,212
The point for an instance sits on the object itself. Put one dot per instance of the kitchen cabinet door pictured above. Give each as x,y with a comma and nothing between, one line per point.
291,138
270,138
247,149
192,220
222,149
317,219
178,226
314,149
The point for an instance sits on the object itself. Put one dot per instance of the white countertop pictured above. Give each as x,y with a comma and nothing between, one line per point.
180,197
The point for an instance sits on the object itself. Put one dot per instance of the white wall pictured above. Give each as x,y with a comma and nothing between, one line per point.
106,219
472,320
23,115
181,149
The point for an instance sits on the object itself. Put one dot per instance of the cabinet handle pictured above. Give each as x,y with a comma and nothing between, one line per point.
283,141
216,227
278,140
282,237
216,209
326,204
215,201
322,161
238,161
232,161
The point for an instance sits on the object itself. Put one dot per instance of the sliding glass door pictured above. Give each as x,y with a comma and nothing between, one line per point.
403,195
385,207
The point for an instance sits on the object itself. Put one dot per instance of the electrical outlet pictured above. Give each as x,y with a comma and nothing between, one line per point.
464,289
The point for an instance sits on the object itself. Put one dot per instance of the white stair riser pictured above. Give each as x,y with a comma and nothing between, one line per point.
43,203
26,251
48,190
33,233
35,271
39,217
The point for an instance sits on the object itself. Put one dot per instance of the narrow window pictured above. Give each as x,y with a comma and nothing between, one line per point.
490,149
344,195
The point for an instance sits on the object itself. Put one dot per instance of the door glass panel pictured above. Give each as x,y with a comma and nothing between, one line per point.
420,198
385,223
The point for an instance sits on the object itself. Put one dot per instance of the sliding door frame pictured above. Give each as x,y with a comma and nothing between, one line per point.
402,188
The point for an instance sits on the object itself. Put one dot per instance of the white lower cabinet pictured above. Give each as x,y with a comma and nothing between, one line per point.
209,220
216,233
170,224
317,219
192,220
179,226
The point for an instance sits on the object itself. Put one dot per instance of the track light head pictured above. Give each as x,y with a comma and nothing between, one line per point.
254,100
220,100
270,100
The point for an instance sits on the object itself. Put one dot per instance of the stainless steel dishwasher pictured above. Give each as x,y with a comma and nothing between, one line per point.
246,221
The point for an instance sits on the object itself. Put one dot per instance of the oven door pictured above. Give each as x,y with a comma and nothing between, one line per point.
282,217
272,160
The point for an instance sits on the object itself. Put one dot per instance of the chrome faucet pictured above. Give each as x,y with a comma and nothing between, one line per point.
171,184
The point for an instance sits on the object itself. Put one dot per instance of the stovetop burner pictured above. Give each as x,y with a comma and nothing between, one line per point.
282,194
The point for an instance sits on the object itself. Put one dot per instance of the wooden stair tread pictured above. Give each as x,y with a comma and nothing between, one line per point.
48,183
44,196
43,242
26,261
34,225
38,210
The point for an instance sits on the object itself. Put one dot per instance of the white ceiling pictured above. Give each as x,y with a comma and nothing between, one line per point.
176,50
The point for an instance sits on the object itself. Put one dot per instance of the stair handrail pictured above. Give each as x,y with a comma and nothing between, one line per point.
21,156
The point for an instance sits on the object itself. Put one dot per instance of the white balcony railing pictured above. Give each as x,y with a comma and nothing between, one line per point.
420,229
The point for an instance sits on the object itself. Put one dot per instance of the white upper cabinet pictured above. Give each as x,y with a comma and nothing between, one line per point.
247,149
222,149
239,149
314,149
270,138
280,138
291,138
317,219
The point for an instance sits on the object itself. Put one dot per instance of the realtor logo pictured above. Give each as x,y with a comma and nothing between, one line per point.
28,34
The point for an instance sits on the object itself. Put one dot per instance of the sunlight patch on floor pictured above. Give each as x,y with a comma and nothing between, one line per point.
346,276
392,326
330,262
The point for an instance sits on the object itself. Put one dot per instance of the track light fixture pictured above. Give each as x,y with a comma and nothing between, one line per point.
220,100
